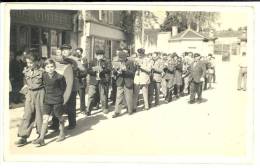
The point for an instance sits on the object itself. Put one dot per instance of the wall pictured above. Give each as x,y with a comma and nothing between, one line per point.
195,46
162,42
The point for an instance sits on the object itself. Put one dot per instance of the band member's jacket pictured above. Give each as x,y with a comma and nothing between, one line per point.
104,75
143,71
197,71
126,78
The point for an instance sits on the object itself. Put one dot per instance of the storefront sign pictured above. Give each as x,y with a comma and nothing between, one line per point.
42,18
104,31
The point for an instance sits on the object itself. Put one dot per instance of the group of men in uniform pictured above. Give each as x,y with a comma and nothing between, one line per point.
154,73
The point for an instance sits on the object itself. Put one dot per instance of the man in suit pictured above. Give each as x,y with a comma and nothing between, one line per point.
98,71
197,74
124,71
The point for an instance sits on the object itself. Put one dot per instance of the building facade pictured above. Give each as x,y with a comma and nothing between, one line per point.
231,42
101,30
43,30
186,41
46,30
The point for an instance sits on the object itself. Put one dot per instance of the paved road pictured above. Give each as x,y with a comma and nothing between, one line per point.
215,127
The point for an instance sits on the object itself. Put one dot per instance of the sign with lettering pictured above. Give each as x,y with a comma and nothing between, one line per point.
44,18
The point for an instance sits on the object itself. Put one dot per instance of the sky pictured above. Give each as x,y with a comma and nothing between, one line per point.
227,20
232,20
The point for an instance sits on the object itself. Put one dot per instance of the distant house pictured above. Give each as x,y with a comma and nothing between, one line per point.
232,42
186,41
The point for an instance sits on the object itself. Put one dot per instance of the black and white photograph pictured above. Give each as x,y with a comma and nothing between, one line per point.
136,83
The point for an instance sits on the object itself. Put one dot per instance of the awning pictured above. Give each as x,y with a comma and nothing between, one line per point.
104,31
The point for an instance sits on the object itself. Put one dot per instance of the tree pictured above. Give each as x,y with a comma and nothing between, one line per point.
133,24
195,20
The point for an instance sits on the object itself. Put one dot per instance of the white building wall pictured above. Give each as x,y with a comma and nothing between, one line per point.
162,41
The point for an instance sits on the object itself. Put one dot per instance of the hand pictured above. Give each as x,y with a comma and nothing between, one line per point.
202,79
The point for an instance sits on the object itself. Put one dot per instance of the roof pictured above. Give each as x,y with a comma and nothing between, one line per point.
227,33
188,34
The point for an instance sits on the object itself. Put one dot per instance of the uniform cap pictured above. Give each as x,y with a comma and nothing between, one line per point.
66,46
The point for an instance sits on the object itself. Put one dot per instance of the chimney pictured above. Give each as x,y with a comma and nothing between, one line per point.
174,31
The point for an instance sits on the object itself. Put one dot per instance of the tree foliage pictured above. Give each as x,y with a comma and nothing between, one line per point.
132,23
195,20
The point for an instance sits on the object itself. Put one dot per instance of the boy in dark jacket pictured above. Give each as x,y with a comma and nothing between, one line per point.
54,85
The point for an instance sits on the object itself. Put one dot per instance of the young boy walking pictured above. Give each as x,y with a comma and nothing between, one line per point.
54,85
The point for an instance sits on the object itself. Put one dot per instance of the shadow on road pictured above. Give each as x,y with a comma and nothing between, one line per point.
85,124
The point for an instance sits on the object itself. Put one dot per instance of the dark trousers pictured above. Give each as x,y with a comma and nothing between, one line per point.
82,95
154,89
113,91
103,94
177,90
195,88
70,108
205,83
214,75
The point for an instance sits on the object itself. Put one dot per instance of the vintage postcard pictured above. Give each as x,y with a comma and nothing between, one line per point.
128,82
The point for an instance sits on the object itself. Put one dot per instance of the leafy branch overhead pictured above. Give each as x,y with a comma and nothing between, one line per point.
196,20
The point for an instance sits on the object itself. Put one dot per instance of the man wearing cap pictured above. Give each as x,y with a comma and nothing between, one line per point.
156,77
124,71
98,71
142,78
71,81
197,74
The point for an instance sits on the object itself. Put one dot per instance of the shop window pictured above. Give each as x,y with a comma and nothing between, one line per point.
23,38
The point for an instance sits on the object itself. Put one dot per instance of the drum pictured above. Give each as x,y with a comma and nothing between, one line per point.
67,71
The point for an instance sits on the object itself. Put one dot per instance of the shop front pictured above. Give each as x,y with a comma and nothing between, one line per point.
43,30
104,37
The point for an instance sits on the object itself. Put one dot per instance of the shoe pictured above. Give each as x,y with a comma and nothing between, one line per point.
60,138
239,89
115,115
105,111
39,141
191,102
146,109
70,127
87,113
244,89
199,101
21,142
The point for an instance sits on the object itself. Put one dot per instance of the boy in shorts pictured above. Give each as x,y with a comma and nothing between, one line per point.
54,85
